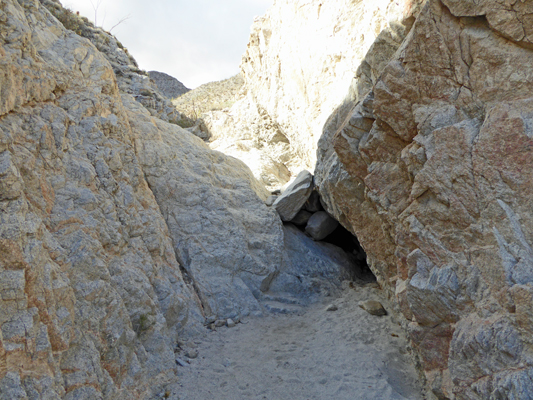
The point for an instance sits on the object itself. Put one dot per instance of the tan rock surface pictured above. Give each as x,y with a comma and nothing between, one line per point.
92,295
302,60
422,126
436,163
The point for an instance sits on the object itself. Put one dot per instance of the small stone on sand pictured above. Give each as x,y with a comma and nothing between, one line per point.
193,353
332,307
220,323
180,362
373,307
230,323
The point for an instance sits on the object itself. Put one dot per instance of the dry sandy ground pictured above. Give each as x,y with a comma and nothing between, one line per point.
318,354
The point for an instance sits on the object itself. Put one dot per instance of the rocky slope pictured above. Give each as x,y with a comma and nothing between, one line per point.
418,116
167,84
129,77
119,232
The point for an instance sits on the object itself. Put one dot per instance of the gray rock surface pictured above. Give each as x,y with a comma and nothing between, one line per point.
226,239
320,225
129,77
168,85
294,196
309,269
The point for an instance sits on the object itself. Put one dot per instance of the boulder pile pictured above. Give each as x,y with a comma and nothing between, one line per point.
300,205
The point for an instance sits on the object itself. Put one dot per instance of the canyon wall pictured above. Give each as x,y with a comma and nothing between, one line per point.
419,117
105,258
121,234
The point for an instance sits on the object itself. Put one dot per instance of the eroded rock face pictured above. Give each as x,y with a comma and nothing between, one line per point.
425,155
92,295
129,77
224,235
98,202
437,161
119,232
302,60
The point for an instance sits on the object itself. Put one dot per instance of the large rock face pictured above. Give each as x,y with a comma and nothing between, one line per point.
119,231
421,118
98,202
92,295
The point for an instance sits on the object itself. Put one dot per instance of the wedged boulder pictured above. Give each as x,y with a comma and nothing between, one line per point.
294,196
320,225
301,218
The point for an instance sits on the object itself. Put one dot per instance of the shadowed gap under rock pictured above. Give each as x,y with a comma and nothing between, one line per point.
343,238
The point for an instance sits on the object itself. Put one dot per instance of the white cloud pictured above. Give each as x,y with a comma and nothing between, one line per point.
195,41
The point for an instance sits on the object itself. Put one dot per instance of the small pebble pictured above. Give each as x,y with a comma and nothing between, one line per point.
180,362
270,200
230,323
373,307
332,307
193,353
220,323
210,319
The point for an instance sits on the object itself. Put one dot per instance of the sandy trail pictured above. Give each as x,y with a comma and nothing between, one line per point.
319,354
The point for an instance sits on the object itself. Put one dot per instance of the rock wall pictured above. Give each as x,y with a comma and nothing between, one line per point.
92,295
120,233
420,114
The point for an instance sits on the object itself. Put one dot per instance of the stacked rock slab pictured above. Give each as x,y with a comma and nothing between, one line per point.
426,157
294,196
320,225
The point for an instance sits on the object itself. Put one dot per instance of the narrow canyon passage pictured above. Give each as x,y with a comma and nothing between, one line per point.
318,354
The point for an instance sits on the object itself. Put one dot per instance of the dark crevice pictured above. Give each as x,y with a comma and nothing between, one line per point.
344,239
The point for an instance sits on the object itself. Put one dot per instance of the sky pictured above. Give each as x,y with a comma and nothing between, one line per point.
195,41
